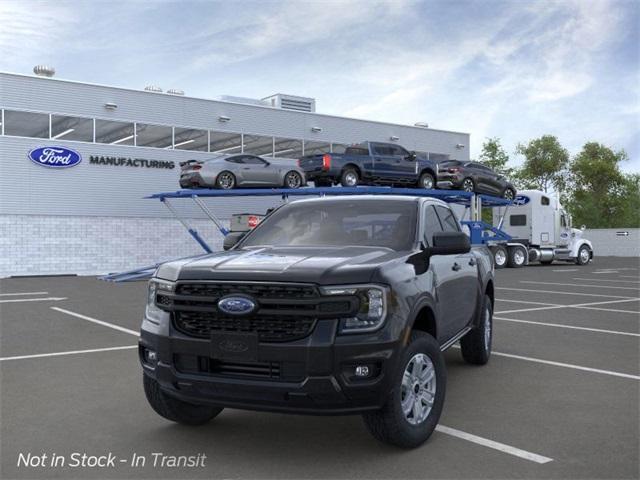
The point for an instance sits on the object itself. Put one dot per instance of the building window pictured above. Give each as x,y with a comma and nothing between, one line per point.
71,128
157,136
315,148
26,124
114,133
258,145
287,148
225,142
190,139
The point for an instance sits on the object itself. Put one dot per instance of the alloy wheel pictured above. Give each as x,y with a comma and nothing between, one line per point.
508,194
226,181
351,179
467,185
487,328
293,180
418,389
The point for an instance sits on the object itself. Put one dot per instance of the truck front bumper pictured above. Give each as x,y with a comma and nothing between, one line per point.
314,375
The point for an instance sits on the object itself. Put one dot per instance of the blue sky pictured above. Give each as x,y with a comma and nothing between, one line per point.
514,69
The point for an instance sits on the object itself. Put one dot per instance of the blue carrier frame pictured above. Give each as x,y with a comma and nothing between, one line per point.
481,233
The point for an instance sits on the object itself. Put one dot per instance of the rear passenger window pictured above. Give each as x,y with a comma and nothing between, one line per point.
431,224
518,220
544,201
448,219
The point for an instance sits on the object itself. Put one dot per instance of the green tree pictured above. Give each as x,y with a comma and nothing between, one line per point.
545,164
600,195
494,156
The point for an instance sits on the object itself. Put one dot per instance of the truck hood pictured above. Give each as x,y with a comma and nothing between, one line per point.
321,265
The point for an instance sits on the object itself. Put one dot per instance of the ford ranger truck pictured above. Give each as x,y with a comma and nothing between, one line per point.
336,305
371,163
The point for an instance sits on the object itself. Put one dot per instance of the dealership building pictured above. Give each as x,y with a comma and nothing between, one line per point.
92,217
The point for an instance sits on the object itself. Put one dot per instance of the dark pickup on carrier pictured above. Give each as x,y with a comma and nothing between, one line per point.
371,163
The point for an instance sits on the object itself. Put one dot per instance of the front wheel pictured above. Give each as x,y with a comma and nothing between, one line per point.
476,345
293,179
509,194
426,181
584,255
174,409
414,406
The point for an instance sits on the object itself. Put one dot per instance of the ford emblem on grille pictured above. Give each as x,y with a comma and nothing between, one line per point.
236,305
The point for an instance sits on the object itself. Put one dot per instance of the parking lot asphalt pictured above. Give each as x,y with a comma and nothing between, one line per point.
559,398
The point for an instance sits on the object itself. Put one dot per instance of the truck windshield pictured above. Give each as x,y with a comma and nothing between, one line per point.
376,223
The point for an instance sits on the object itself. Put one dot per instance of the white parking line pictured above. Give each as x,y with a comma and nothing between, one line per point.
604,280
23,293
581,285
572,327
561,293
588,306
567,270
633,312
71,352
47,299
529,302
532,457
96,321
628,276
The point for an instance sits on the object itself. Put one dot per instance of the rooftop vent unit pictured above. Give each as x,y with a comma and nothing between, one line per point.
421,124
291,102
175,91
44,71
153,88
244,100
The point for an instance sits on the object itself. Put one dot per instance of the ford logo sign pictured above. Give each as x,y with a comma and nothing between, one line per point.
236,305
55,157
521,200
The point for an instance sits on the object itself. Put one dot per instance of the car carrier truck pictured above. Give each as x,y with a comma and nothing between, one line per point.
540,231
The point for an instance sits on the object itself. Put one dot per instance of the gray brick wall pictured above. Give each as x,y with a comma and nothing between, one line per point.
606,242
45,245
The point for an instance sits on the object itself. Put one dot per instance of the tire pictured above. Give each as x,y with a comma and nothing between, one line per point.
468,185
349,178
292,180
517,257
500,256
427,181
225,180
174,409
390,424
508,194
476,345
584,255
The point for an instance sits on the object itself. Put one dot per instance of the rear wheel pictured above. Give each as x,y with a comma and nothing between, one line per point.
476,345
426,181
174,409
293,179
584,255
349,178
509,194
499,256
414,406
517,257
468,185
226,180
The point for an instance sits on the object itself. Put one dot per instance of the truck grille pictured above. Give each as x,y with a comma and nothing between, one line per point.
286,311
268,327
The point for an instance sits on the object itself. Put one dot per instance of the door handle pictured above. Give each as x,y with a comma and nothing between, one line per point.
456,267
472,262
246,168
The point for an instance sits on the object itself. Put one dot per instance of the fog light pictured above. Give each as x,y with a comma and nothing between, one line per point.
150,357
362,371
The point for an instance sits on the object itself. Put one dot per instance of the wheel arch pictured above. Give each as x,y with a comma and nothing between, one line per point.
430,171
354,166
425,320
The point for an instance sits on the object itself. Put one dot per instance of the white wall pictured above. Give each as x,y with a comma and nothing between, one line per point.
608,242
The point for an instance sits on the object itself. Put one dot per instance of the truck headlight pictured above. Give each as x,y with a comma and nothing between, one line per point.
156,287
372,311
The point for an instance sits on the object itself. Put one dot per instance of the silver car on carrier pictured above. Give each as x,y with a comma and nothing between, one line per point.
241,170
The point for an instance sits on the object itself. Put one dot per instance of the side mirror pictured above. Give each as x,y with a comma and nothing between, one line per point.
412,156
231,238
583,228
450,243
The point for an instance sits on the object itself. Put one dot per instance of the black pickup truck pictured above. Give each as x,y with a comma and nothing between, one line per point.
338,305
371,163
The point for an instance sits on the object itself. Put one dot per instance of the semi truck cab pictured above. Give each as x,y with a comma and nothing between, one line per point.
537,222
